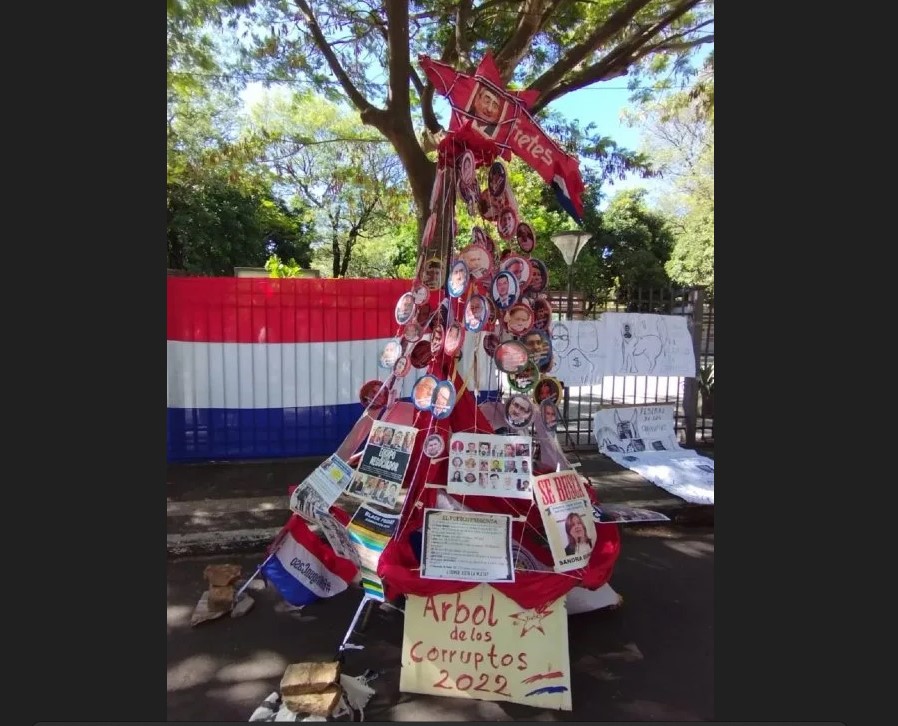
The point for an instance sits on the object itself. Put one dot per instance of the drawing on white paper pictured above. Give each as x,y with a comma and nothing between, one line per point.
646,346
626,427
571,348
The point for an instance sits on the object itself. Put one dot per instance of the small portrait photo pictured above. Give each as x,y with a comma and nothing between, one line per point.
377,436
458,447
539,276
456,476
390,354
437,336
475,313
420,293
409,441
519,319
470,477
457,462
471,449
542,314
466,168
578,541
549,413
511,357
484,465
517,266
470,463
548,389
484,448
488,108
455,336
373,393
405,308
433,274
402,367
497,179
421,354
526,237
525,380
539,344
494,481
518,411
506,290
507,223
478,259
423,317
522,449
434,445
388,437
483,478
443,399
491,343
480,238
422,393
496,465
511,466
523,484
413,331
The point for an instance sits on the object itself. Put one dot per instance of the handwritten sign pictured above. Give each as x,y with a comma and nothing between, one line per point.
567,516
632,429
482,645
467,546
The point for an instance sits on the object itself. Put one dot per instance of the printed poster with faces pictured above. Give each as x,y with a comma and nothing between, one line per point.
490,466
384,462
567,515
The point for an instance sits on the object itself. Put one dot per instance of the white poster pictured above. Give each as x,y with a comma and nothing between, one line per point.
322,487
621,344
467,546
490,466
567,516
642,439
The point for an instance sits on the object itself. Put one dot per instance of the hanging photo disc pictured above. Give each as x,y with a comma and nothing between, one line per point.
491,343
420,293
390,354
455,337
443,399
423,390
476,312
405,308
403,366
458,279
519,411
548,389
539,275
519,319
434,446
421,354
413,332
525,381
550,415
512,357
526,238
373,393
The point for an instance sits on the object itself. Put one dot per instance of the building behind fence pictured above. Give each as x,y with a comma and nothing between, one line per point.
266,368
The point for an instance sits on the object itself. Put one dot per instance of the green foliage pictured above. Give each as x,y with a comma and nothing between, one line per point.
706,380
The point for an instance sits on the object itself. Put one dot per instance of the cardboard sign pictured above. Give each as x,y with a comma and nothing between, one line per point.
481,644
567,516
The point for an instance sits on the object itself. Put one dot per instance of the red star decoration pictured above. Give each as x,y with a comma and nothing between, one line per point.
532,619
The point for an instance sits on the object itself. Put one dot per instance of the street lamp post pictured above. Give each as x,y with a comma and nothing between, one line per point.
570,244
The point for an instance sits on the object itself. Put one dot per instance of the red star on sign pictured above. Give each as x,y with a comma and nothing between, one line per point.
532,619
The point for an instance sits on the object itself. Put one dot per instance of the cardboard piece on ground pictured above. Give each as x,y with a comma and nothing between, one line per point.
315,704
202,613
222,575
303,678
221,599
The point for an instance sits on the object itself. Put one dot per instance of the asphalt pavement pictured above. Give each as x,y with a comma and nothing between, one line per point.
652,659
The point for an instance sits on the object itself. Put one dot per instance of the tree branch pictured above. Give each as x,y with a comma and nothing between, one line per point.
361,103
462,46
531,19
576,55
398,56
618,60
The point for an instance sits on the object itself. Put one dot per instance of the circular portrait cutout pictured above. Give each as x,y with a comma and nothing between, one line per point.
403,366
405,308
455,336
373,393
434,445
437,335
480,238
458,279
524,381
433,273
539,275
421,354
476,312
443,399
526,237
539,344
466,167
542,314
550,414
497,179
478,260
423,317
390,354
512,357
422,393
491,343
507,224
519,319
517,266
549,389
489,206
420,293
506,290
518,411
413,331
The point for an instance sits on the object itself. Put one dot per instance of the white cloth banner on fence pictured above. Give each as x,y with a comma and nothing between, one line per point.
642,439
621,344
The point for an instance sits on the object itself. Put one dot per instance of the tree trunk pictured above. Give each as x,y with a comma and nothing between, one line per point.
335,246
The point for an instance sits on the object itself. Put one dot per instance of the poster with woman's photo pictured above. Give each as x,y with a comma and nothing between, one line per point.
384,462
490,466
567,516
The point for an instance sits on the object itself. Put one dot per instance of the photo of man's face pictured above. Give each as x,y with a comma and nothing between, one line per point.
404,308
424,391
475,313
519,411
486,105
442,400
433,446
458,278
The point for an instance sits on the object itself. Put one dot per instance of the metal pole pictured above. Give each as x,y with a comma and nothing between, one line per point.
570,287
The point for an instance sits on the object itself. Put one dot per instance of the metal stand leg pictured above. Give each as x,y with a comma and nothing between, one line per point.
366,600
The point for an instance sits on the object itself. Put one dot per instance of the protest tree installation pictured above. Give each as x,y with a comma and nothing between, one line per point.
485,479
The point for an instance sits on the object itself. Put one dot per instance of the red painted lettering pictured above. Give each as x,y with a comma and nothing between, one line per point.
416,658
